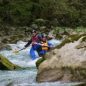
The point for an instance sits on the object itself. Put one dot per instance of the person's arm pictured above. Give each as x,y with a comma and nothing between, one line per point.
37,43
49,37
29,42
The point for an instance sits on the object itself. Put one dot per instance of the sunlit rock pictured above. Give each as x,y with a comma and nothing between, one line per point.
65,64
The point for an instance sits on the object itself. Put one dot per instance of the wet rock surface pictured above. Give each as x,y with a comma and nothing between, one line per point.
65,64
5,64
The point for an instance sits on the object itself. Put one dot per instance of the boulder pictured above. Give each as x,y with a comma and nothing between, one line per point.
65,64
5,47
5,64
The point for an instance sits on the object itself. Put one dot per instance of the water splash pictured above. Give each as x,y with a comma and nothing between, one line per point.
23,77
22,58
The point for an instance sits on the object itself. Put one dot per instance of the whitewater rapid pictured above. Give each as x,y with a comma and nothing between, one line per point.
24,77
22,58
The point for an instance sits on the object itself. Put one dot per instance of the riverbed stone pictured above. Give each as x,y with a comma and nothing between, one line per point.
5,64
66,63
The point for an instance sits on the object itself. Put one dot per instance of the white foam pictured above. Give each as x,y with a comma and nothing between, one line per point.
22,58
54,42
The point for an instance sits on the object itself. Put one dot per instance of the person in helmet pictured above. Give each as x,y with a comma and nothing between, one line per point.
36,38
44,47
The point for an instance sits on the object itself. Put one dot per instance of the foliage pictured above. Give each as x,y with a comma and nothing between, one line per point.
57,12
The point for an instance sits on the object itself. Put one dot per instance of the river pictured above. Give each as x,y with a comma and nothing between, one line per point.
26,76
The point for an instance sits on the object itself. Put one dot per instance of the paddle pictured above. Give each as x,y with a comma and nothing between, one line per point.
17,51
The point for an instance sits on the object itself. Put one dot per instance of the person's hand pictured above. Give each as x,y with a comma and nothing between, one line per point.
34,42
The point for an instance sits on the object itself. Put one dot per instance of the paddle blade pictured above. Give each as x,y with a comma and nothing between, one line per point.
16,51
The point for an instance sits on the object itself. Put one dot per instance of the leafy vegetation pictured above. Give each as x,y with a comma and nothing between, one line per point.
57,12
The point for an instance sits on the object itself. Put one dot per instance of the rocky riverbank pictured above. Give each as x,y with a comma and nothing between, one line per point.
65,63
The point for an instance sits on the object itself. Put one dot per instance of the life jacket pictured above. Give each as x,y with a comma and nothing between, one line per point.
35,38
44,46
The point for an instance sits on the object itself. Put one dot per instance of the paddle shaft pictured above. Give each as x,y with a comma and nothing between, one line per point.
22,49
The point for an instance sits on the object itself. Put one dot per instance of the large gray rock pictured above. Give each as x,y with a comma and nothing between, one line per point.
66,64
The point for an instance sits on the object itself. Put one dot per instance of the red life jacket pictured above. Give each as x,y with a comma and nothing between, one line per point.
35,38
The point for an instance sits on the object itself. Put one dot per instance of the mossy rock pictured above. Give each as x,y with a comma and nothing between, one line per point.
58,36
39,61
82,43
84,39
5,47
15,38
71,38
5,64
12,39
5,40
